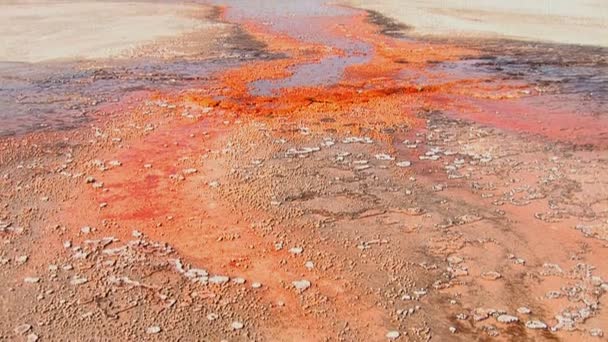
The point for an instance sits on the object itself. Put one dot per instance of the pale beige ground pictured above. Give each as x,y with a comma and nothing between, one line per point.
48,30
562,21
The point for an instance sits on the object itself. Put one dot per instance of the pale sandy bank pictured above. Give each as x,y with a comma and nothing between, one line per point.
561,21
47,30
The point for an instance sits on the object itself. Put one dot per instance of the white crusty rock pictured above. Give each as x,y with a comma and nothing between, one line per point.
31,280
153,329
236,325
22,329
384,156
535,325
393,335
76,280
524,310
296,250
301,285
507,319
218,279
491,275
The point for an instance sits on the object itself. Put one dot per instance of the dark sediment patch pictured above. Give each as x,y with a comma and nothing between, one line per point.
389,27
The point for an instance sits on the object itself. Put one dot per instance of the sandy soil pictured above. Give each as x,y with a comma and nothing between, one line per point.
413,200
561,21
51,30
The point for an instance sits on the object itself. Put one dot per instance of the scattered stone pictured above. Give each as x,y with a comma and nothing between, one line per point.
114,163
393,335
238,280
85,230
524,310
462,317
218,279
352,140
453,330
77,280
507,319
309,265
491,275
455,260
596,332
404,163
296,250
153,330
383,156
190,171
236,325
22,329
214,184
535,325
256,285
212,316
22,259
32,338
301,285
31,280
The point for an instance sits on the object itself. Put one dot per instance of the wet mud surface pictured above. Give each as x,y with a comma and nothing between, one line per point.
333,181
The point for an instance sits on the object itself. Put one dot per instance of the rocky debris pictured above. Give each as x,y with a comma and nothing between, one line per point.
238,280
256,285
78,280
596,332
22,259
384,156
524,310
507,319
309,265
491,275
536,325
301,152
360,140
189,171
454,259
236,325
296,250
31,280
462,316
404,163
22,329
301,285
393,335
480,314
32,337
153,330
219,279
212,316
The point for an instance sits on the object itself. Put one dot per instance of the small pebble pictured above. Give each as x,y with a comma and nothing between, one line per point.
393,335
153,329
